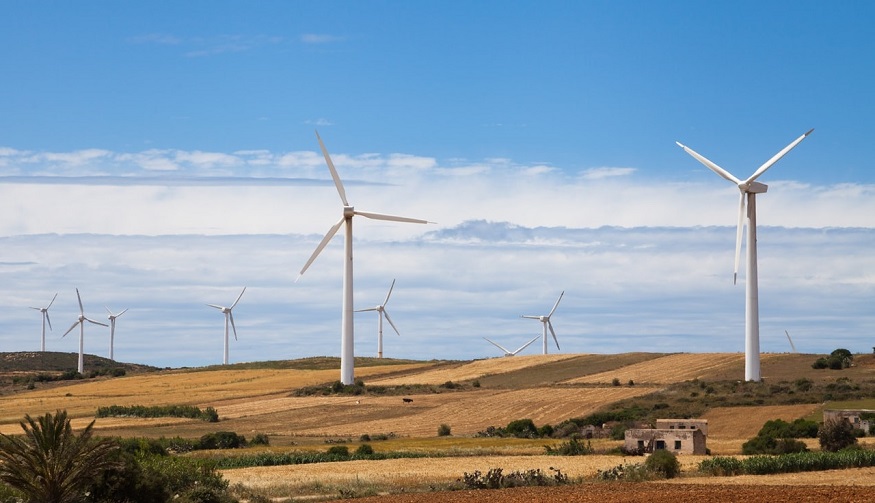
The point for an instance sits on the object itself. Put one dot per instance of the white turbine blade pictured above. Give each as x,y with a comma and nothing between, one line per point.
531,317
712,166
524,346
793,346
368,309
390,322
238,298
70,329
81,309
53,301
96,322
556,304
231,316
499,346
48,319
381,216
121,313
217,307
390,293
331,232
108,310
37,308
738,236
550,326
768,164
334,174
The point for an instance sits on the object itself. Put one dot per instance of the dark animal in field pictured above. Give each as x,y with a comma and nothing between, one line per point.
407,400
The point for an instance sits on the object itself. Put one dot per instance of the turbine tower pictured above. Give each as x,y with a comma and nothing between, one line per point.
381,311
347,355
748,189
513,353
547,323
229,317
46,319
112,318
81,322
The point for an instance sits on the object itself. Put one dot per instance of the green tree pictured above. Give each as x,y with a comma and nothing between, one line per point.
50,463
836,434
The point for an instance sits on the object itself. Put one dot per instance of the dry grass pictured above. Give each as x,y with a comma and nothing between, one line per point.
670,369
472,370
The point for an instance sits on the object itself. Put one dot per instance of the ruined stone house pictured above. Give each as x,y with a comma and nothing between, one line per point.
679,436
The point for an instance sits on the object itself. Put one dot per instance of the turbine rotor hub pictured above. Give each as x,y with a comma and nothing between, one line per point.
348,211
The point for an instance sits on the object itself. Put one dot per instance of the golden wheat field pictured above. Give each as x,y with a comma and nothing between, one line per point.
472,370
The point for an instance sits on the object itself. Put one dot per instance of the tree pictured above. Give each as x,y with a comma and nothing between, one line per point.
50,463
836,434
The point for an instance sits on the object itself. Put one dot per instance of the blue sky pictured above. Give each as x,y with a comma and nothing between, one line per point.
163,154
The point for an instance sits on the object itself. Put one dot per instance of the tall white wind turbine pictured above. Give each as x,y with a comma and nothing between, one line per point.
81,322
112,318
347,356
229,318
46,319
748,189
381,311
512,353
545,320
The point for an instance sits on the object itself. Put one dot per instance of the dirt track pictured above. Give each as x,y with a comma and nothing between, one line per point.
649,492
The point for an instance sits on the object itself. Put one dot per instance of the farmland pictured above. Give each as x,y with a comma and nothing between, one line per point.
404,403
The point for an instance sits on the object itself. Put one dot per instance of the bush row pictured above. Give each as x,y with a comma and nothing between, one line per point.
188,411
788,463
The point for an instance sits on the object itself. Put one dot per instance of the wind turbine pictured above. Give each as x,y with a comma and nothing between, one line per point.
229,317
547,323
45,313
81,322
381,311
748,189
512,353
112,318
347,363
792,346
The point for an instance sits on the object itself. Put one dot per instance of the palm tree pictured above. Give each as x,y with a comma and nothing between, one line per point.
50,463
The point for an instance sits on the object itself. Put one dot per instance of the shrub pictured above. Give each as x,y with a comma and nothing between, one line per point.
522,428
573,447
260,439
339,451
722,466
443,430
364,450
615,381
496,479
221,440
836,434
635,472
663,463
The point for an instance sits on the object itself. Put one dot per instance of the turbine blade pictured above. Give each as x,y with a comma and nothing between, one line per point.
768,164
708,163
368,309
499,346
238,298
96,322
70,329
231,316
121,313
108,310
331,232
381,216
390,293
738,236
531,317
390,322
37,308
550,325
48,319
81,309
334,174
524,346
53,301
793,346
217,307
556,304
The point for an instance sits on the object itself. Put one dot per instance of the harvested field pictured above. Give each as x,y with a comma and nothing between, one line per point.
472,370
653,492
745,422
670,369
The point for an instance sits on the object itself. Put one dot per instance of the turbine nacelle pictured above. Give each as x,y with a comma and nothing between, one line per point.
753,188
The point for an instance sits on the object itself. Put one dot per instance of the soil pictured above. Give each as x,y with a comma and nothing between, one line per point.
645,492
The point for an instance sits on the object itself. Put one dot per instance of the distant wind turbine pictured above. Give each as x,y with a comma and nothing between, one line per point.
545,320
381,311
512,353
81,322
347,355
748,188
792,346
46,319
112,318
229,317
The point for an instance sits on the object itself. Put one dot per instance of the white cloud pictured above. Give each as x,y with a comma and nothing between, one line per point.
600,173
320,38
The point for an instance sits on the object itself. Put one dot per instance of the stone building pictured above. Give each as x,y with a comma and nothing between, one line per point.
853,416
679,436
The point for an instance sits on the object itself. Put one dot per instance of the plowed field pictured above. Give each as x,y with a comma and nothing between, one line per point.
472,370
